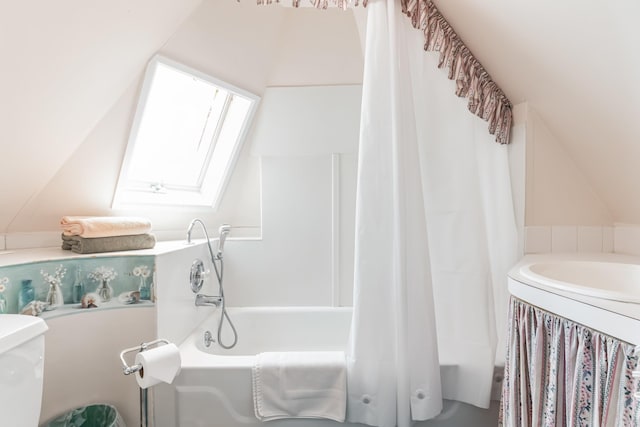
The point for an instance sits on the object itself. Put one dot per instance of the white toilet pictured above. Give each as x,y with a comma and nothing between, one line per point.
21,369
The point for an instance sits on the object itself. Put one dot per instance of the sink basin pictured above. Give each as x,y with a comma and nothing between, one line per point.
608,280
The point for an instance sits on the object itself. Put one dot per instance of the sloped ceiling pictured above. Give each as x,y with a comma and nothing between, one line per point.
65,63
577,64
249,46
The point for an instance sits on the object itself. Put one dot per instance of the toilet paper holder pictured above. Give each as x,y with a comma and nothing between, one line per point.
128,370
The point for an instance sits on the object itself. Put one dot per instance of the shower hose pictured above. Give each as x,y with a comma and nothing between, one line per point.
223,309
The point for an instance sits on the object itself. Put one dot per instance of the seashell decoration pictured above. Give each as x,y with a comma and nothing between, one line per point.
90,300
131,297
34,308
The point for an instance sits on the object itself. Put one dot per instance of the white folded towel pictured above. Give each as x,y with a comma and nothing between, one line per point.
307,384
104,226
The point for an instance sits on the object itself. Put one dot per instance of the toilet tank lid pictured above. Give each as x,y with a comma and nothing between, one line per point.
16,329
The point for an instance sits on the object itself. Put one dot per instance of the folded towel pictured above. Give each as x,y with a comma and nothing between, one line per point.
104,226
304,384
81,245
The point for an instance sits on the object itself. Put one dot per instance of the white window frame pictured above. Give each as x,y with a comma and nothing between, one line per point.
213,184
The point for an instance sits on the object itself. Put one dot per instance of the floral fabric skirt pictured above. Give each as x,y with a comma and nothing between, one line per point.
560,373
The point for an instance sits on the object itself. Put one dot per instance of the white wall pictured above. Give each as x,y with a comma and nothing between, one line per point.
557,190
67,63
317,48
517,169
82,363
563,213
177,314
308,169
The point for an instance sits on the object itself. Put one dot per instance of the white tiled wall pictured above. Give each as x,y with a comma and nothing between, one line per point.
607,239
590,239
564,239
627,239
556,239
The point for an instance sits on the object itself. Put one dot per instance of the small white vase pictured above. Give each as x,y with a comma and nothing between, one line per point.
54,296
105,291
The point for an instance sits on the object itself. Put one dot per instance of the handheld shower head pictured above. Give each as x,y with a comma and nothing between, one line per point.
223,232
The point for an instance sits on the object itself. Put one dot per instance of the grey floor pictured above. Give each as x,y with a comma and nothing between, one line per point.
457,414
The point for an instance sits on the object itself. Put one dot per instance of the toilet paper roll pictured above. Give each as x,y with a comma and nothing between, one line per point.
160,364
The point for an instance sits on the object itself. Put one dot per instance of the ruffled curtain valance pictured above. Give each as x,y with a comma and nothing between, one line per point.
485,98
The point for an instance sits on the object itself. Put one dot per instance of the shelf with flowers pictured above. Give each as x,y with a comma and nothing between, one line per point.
54,288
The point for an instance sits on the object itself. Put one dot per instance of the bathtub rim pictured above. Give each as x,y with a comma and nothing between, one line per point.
194,358
617,319
528,271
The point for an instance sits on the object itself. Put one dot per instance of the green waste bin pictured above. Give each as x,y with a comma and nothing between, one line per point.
89,416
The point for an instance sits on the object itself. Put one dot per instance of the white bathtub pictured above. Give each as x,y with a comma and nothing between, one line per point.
214,386
601,291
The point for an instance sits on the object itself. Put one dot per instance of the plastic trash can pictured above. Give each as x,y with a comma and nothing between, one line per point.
99,415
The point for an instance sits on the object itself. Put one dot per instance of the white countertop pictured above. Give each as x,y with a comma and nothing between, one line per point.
24,256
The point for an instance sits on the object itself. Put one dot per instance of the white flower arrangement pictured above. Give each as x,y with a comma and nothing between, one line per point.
141,270
4,282
56,277
102,274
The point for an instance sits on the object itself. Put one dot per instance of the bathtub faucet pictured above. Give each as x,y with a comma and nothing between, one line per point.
214,300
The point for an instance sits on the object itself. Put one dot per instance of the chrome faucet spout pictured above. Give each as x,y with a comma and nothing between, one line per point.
190,229
207,300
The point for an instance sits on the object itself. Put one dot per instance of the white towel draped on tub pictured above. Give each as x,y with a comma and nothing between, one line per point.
306,384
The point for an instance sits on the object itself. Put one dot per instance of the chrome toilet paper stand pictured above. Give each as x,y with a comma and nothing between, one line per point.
128,370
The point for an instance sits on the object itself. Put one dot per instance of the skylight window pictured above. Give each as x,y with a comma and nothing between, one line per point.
186,135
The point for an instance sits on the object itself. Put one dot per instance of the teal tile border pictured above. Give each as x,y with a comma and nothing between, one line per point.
129,272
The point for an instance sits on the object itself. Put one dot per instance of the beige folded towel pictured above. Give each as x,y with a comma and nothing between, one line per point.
82,245
104,226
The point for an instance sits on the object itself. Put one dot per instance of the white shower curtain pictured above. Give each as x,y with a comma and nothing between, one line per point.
435,235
